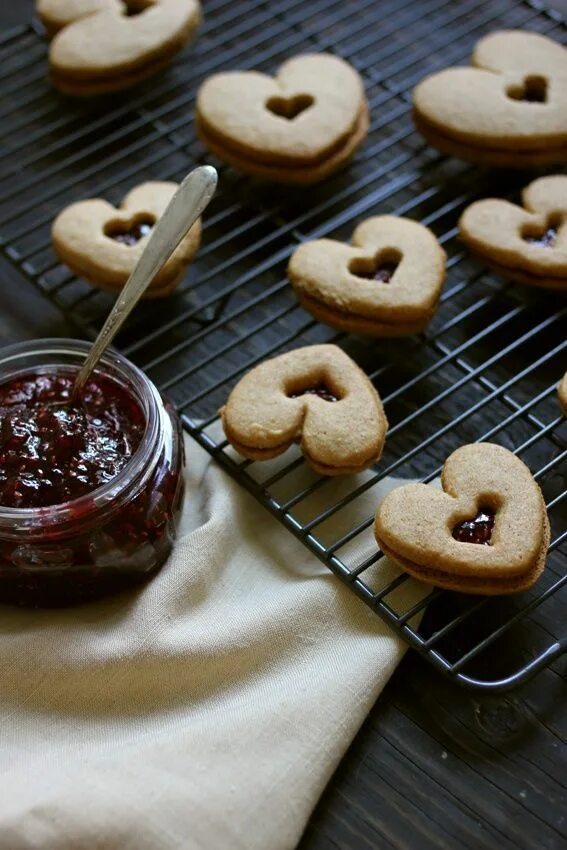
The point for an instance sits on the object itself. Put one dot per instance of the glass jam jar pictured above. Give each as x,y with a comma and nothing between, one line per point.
114,536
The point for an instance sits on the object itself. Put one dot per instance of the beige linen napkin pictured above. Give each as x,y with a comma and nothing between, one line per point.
207,710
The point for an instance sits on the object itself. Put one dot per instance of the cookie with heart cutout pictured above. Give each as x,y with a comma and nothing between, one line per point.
562,393
509,110
485,532
316,396
528,244
387,283
297,127
102,243
103,46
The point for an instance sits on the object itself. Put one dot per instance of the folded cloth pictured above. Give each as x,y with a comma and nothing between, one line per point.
208,709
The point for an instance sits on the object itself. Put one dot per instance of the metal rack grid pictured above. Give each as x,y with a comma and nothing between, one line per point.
486,368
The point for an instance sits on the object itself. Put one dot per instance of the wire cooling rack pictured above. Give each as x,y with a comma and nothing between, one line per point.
486,368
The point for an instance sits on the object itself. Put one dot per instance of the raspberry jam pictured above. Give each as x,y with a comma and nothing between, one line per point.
53,452
90,493
320,390
131,235
477,530
546,240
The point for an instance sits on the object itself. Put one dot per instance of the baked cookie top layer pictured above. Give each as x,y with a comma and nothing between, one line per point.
515,97
419,521
56,14
394,270
300,116
532,239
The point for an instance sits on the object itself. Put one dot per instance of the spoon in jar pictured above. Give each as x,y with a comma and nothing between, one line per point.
185,207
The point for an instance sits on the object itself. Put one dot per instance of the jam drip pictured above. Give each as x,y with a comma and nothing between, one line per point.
131,235
53,452
546,240
320,390
477,530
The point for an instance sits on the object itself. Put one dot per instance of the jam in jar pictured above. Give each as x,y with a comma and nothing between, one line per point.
90,491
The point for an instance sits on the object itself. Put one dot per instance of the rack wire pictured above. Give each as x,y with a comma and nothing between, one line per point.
485,369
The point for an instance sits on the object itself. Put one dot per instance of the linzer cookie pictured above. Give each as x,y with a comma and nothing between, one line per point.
316,396
526,244
562,393
486,532
105,45
509,110
297,127
387,283
103,244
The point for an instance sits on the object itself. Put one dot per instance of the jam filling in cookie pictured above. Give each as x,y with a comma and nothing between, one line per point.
320,390
130,235
383,272
477,530
53,451
546,240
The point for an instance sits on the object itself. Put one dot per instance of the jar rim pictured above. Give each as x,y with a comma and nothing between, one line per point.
146,394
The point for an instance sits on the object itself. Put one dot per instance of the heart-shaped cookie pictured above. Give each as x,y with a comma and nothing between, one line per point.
107,45
316,396
509,110
486,532
528,245
296,127
387,283
103,244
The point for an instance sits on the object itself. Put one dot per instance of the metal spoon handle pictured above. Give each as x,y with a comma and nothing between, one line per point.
189,201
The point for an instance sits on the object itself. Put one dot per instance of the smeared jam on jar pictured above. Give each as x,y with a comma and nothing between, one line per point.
52,451
131,235
477,530
320,390
546,240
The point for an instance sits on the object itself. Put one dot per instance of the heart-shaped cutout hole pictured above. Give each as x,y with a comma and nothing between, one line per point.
381,268
321,390
130,233
532,90
289,107
543,238
477,530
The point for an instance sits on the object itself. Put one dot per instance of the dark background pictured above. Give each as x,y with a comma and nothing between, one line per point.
433,766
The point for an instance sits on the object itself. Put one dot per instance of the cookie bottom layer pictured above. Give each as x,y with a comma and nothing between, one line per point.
83,87
258,454
353,323
303,175
490,156
160,290
527,278
481,585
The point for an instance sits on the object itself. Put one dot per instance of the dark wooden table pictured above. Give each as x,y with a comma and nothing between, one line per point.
433,765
